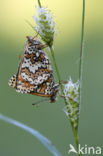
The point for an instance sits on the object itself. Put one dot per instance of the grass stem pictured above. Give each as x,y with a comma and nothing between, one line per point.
81,50
75,131
39,3
57,70
46,142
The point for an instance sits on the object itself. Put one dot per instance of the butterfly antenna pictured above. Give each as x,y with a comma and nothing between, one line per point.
36,34
31,26
38,102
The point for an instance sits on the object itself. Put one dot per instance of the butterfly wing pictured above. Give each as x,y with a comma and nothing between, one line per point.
34,74
35,67
20,84
44,89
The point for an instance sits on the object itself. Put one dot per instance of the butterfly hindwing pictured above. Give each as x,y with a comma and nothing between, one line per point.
45,89
12,81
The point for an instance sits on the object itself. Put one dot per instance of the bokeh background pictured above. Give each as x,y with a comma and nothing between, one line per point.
49,119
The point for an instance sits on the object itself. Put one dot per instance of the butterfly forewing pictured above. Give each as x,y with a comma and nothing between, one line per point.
34,74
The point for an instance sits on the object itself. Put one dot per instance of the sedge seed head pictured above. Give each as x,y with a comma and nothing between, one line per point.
45,25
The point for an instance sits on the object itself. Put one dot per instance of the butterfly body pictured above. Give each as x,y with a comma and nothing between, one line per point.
35,75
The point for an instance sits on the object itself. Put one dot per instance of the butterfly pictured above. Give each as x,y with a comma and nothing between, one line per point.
35,75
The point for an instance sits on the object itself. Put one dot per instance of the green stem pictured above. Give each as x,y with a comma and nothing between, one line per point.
82,49
39,3
75,131
57,70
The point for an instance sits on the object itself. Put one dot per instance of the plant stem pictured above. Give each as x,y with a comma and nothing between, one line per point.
57,70
75,131
39,3
81,50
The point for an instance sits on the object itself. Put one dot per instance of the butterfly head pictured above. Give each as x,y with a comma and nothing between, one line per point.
35,42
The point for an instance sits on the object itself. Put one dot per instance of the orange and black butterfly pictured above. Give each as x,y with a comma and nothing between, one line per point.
35,75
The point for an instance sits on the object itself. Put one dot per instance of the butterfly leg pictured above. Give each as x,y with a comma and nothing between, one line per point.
38,102
62,81
36,105
42,46
63,96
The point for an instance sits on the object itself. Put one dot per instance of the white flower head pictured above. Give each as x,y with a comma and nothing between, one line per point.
71,90
45,25
71,93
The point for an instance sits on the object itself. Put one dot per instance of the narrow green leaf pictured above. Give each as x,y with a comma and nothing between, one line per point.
46,142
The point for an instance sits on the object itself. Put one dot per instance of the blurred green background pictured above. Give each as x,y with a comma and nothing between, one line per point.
49,119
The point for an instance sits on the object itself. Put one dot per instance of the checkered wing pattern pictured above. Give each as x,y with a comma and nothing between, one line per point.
35,75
